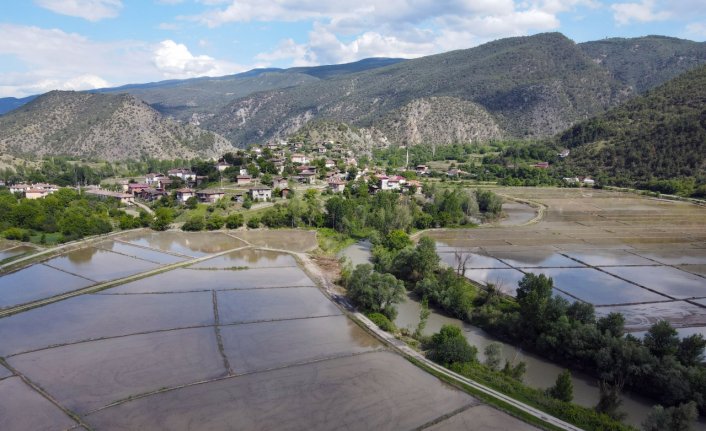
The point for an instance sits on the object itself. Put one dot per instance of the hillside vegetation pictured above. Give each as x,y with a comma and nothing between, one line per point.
532,86
101,126
659,135
646,62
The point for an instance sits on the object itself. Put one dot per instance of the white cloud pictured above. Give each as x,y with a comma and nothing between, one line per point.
91,10
697,29
644,11
54,59
345,31
175,60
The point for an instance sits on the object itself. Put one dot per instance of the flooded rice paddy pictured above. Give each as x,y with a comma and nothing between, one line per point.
243,340
621,252
607,248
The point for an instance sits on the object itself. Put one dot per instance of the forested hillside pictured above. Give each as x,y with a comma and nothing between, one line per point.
659,135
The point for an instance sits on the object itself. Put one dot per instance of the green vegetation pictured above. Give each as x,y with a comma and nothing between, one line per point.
656,142
663,367
563,389
374,292
65,215
382,321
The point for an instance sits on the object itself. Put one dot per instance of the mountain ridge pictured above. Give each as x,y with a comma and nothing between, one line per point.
101,126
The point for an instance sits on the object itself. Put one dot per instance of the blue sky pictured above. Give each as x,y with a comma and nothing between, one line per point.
83,44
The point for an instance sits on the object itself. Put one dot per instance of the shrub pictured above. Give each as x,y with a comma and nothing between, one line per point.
214,222
254,223
195,223
16,234
234,221
382,321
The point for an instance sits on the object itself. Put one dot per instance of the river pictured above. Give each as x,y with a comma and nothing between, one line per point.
540,372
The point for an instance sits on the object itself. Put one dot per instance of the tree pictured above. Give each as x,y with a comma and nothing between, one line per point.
691,350
662,339
493,357
163,217
610,401
679,418
425,260
563,389
613,324
423,317
192,203
374,292
397,240
533,295
449,346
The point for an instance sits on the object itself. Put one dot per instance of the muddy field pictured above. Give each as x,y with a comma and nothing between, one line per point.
240,340
642,256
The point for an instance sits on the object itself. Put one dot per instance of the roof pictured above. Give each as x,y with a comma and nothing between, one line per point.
210,192
185,190
263,188
108,193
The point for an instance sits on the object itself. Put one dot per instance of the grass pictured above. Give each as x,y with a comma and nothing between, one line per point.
332,242
582,417
499,404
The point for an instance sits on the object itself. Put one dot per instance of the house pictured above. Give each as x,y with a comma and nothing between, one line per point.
222,166
280,183
136,188
285,192
184,194
261,193
588,182
243,171
422,169
351,162
19,188
308,176
33,193
321,150
154,179
455,173
151,194
410,184
124,198
541,165
330,164
210,196
304,168
183,173
300,158
336,185
243,179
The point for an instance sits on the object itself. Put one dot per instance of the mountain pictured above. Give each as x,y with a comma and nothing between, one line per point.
439,120
191,99
646,62
7,104
661,134
530,86
101,126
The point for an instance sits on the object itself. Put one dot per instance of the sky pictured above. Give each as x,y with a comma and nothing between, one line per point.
84,44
